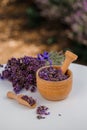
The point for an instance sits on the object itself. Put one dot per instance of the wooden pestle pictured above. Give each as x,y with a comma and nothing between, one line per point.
12,95
69,58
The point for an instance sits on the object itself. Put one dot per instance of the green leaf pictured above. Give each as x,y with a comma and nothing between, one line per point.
56,57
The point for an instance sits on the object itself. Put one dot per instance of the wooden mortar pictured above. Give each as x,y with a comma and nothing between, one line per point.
57,90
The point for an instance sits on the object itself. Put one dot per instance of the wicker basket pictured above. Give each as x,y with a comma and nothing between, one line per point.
54,90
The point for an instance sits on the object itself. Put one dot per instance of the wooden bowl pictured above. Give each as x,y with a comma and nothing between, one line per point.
54,90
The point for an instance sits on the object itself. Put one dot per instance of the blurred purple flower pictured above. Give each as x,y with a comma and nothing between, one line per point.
43,1
79,13
74,13
45,57
85,5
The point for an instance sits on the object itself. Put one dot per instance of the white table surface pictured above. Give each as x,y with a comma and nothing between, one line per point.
73,110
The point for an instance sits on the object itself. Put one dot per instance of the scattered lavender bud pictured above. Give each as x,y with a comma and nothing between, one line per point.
59,114
42,112
40,117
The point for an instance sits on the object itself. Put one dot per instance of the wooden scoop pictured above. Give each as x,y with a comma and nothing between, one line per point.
12,95
69,57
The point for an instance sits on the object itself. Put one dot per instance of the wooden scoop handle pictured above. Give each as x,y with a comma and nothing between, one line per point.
69,58
11,95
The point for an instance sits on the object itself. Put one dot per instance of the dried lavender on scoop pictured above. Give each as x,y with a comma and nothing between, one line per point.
30,100
23,99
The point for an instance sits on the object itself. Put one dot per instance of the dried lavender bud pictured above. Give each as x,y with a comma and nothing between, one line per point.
59,114
42,110
40,117
22,72
52,74
1,77
1,65
30,100
32,88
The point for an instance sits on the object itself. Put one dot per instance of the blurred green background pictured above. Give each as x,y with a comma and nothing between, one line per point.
28,27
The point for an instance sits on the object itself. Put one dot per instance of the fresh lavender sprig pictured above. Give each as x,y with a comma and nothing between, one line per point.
45,57
52,58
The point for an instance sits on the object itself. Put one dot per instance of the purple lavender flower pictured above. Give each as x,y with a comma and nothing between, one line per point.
85,5
17,89
45,57
22,72
71,12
